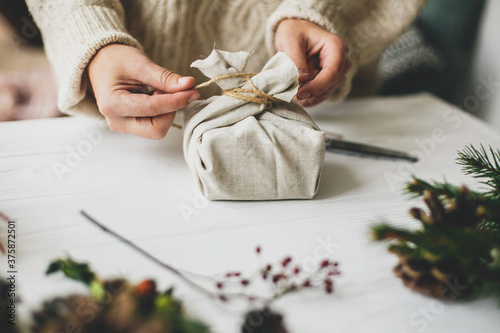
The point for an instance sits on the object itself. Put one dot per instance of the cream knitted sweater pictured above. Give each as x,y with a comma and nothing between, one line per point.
174,33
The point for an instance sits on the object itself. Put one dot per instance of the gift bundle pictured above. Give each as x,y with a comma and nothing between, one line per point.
252,142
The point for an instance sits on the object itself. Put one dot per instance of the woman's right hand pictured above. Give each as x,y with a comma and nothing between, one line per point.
118,72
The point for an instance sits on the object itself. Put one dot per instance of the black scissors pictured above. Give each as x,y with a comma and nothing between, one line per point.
335,145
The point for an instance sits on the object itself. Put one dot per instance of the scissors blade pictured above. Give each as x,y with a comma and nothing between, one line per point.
363,150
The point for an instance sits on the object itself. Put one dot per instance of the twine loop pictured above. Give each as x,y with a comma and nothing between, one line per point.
253,95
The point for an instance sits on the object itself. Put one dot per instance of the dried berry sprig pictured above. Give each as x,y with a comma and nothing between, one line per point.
282,278
6,219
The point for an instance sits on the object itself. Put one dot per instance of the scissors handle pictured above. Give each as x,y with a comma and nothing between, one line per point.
358,149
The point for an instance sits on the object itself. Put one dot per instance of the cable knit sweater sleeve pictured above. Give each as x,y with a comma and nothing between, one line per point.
73,31
368,26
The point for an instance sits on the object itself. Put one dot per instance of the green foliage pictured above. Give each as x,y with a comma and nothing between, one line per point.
169,308
149,303
481,164
460,231
488,206
418,187
72,269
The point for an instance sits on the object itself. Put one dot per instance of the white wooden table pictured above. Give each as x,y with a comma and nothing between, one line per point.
144,191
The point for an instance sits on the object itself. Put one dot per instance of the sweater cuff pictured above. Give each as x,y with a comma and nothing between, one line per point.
85,32
302,10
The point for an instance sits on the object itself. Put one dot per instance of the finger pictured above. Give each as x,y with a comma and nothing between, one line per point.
127,104
345,69
155,128
333,70
318,99
313,68
162,79
295,48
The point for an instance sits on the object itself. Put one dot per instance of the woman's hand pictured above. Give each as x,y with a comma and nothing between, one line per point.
120,75
321,58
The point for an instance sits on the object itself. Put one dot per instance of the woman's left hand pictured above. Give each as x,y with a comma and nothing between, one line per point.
321,58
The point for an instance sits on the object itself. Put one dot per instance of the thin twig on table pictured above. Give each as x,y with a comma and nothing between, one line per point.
149,256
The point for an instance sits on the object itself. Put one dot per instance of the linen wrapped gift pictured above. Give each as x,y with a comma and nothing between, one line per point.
251,143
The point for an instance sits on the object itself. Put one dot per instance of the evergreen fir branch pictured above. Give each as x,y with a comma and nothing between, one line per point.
459,237
490,289
387,232
492,212
490,225
439,242
481,164
449,193
418,187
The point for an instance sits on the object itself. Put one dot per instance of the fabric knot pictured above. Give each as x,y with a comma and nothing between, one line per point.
253,95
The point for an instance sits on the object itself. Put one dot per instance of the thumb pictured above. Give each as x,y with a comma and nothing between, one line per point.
165,80
295,48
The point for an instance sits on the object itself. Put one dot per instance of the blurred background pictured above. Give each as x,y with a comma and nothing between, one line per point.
451,51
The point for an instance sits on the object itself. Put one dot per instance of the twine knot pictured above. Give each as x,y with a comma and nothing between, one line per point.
253,95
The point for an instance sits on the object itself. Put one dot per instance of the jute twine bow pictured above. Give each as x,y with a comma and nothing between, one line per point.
253,95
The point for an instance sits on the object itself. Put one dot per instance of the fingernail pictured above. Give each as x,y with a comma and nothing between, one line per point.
303,95
183,79
303,77
193,97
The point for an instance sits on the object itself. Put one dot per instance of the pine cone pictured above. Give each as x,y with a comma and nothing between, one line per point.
263,321
463,212
433,279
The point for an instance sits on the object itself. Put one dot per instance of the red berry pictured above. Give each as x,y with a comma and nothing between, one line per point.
325,263
220,285
258,249
296,270
286,261
333,272
329,289
279,276
146,287
245,282
269,267
306,283
236,273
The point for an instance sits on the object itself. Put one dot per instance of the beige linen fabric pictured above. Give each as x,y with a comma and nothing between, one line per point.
240,150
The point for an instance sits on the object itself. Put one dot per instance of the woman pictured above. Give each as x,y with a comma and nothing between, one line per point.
105,51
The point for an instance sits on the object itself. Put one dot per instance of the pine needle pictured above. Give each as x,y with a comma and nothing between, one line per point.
482,164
